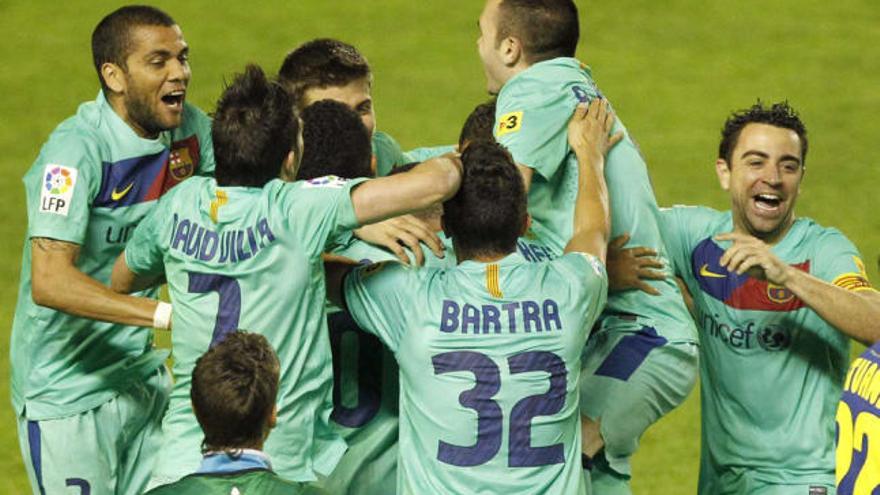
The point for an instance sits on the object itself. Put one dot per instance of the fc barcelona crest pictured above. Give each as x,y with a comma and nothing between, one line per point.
180,163
779,294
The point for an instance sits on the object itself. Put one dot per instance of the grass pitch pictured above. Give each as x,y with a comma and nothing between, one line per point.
673,69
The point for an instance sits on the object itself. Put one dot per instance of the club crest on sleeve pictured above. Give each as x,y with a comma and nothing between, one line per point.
57,191
327,181
509,123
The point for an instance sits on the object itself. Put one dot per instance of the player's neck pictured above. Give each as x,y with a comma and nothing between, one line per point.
480,257
118,106
774,237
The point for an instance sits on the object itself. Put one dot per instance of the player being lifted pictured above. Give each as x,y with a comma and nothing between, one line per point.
88,391
234,388
500,334
777,298
244,251
329,69
642,361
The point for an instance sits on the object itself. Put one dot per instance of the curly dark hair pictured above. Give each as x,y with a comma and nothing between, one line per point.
778,115
335,142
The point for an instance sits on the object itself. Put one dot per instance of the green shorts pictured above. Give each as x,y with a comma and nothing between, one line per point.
107,450
630,378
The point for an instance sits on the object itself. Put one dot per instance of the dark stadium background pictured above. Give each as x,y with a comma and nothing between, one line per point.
673,70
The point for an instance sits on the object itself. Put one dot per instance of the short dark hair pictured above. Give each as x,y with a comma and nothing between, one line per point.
479,124
546,28
778,115
233,391
487,214
321,63
255,127
335,142
111,39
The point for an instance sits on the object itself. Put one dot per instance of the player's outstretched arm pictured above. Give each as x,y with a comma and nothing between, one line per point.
588,135
854,313
57,283
430,182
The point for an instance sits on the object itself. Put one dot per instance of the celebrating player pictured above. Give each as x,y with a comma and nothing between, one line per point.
776,298
642,361
244,251
89,395
365,374
234,387
328,69
492,332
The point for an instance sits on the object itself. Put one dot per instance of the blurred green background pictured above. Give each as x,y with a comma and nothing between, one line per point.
674,70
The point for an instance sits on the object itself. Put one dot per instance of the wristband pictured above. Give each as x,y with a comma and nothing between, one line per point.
162,316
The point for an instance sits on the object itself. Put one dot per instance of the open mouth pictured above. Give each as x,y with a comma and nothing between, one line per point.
767,202
174,99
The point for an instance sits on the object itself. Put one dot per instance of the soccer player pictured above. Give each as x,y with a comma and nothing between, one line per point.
534,245
87,388
244,251
365,374
324,69
489,351
642,361
776,298
858,427
234,387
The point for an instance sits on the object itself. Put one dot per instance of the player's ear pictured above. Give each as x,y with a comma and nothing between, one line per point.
113,76
288,168
273,417
527,224
511,51
722,169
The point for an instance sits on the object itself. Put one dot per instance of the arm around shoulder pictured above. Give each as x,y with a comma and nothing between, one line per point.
430,182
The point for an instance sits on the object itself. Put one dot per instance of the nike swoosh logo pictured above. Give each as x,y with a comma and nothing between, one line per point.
704,272
117,195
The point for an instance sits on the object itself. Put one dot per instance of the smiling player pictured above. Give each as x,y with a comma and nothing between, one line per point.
89,395
776,298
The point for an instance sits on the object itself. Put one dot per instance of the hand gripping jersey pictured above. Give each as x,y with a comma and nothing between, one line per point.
771,369
92,183
489,355
532,115
250,258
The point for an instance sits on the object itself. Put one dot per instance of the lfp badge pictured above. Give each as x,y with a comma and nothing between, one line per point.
57,192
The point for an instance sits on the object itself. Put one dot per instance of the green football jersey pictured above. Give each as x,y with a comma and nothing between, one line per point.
427,152
489,356
250,482
386,154
250,258
531,117
92,183
365,389
771,369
